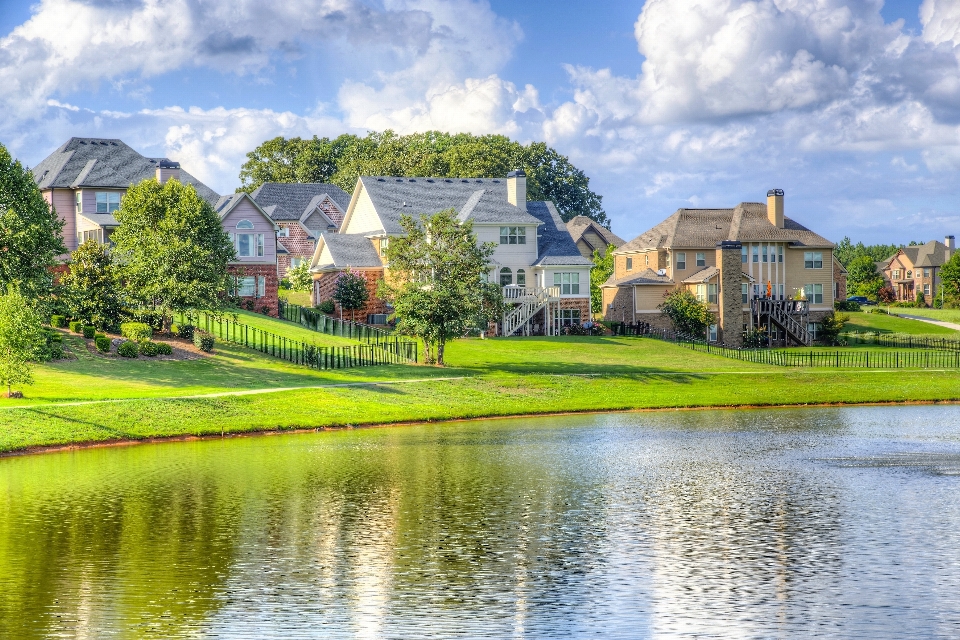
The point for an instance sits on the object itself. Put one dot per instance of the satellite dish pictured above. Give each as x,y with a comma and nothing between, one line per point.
662,272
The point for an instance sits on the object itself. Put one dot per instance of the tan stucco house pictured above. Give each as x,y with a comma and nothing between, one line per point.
916,269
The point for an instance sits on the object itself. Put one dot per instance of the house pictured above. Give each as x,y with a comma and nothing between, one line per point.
591,236
753,267
916,269
302,211
544,276
85,178
253,234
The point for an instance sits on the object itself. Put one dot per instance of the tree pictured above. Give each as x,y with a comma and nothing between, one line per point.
92,287
688,315
172,251
350,291
550,175
887,295
21,338
300,278
437,279
600,273
830,327
30,232
846,252
863,277
950,277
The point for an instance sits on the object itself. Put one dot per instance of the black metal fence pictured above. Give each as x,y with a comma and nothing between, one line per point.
299,352
901,341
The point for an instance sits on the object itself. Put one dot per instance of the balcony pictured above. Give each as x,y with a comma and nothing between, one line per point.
514,293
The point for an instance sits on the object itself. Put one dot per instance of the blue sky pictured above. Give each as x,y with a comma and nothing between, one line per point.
665,103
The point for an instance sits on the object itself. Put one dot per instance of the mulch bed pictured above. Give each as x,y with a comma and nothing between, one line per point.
182,349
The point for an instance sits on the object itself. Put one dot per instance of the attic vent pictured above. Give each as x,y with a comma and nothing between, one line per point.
113,144
104,143
380,180
496,182
399,179
464,181
412,180
82,142
479,181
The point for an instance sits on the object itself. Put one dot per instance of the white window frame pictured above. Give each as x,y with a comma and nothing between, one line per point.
744,254
701,259
779,253
926,288
744,293
506,276
245,224
681,260
713,293
284,232
247,287
568,281
567,317
813,328
814,293
701,293
111,201
254,243
756,253
763,252
513,235
813,260
521,278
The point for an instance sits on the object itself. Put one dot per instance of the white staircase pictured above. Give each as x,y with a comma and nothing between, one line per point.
528,301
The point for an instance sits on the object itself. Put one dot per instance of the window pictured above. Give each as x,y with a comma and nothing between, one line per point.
743,254
668,258
567,317
107,201
757,291
261,286
926,289
681,260
384,243
250,245
629,264
765,253
712,293
521,278
812,260
506,277
779,253
781,290
569,283
713,333
79,202
247,287
756,253
244,224
909,274
646,259
814,293
284,232
93,234
896,274
813,328
513,235
701,293
745,293
701,259
926,273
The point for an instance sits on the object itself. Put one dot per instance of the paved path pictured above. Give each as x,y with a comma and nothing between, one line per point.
941,323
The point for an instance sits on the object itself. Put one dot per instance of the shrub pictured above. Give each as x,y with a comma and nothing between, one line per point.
265,310
102,342
878,310
203,341
184,331
58,321
284,283
846,305
76,326
136,331
89,331
149,348
128,349
327,306
163,349
153,319
248,305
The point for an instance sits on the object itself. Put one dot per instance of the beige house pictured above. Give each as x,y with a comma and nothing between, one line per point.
591,236
916,269
753,266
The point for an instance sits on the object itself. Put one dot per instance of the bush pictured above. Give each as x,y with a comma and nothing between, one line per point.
184,331
327,306
76,326
248,305
285,283
846,305
879,310
149,348
136,331
153,319
58,321
265,310
128,349
203,341
102,342
163,349
89,331
52,348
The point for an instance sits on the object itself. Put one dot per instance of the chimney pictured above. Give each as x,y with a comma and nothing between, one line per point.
775,207
951,245
730,303
517,189
167,169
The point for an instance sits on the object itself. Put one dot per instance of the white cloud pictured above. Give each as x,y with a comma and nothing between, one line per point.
941,21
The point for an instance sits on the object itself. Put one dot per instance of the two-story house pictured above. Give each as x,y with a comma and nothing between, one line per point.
916,269
536,261
589,236
302,211
254,236
752,266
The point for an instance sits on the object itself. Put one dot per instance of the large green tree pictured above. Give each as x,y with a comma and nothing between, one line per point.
436,280
92,287
172,251
863,279
31,233
350,292
950,279
600,273
846,252
688,315
21,338
550,175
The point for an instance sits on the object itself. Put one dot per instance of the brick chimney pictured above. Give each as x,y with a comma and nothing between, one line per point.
775,207
167,169
517,189
731,297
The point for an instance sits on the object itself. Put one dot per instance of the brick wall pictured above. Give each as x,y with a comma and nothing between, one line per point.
299,244
731,305
841,281
323,285
272,283
618,306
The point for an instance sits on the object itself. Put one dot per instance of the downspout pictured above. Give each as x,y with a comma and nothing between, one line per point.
634,304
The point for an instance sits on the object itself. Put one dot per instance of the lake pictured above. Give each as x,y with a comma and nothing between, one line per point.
841,522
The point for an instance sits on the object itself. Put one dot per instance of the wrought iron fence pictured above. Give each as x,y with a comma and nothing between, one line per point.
901,341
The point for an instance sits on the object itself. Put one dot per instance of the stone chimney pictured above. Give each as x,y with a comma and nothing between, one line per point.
517,189
167,169
951,245
775,207
730,301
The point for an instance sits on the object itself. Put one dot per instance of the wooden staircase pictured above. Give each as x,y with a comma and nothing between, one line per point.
784,314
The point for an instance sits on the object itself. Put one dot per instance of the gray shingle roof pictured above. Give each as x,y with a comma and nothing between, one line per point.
579,225
101,219
291,200
556,246
647,276
931,254
103,162
349,250
392,197
704,228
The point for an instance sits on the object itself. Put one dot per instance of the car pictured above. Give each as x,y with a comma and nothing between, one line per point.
861,300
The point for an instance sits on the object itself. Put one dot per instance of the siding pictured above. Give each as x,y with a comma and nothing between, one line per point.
649,297
64,202
513,256
364,218
89,198
247,211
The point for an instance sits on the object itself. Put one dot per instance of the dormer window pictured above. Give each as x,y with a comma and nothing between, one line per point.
384,243
244,224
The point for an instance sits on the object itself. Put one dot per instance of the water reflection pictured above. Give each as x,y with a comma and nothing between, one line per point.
708,524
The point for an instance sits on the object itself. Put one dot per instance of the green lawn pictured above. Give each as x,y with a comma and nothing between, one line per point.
292,330
301,298
882,323
945,315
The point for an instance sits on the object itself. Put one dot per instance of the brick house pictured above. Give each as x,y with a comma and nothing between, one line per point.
590,236
916,269
254,237
543,274
302,211
754,268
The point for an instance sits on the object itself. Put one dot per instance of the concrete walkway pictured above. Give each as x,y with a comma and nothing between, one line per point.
941,323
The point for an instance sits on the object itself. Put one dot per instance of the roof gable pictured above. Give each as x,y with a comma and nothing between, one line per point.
580,225
226,204
293,200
